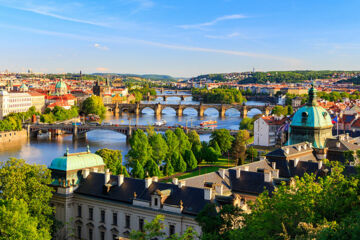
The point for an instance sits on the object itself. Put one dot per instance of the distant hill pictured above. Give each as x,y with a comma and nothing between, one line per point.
354,80
154,77
273,76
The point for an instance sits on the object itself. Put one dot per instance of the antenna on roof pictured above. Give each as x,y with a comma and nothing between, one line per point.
88,148
67,151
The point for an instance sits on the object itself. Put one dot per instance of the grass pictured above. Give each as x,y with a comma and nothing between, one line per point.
223,162
203,170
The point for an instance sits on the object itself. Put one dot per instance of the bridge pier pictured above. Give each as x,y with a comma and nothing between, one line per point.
78,135
182,98
179,111
158,109
222,111
201,110
116,110
165,98
244,112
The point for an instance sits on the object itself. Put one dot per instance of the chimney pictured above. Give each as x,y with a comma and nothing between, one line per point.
207,193
120,179
338,144
181,184
275,173
267,176
219,188
175,181
155,179
296,161
86,173
222,173
95,169
347,136
298,147
273,164
262,158
310,145
246,168
320,163
148,182
107,176
238,173
305,146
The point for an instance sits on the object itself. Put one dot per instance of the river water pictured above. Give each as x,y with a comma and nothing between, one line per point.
43,150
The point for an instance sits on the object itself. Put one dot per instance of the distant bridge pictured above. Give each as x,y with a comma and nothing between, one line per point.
137,108
79,131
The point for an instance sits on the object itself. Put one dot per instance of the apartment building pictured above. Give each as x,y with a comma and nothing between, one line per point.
13,102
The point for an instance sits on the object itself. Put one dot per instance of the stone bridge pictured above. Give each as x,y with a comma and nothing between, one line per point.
137,108
79,131
165,97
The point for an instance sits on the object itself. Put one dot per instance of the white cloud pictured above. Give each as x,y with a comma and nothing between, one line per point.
213,22
49,12
227,36
101,47
102,69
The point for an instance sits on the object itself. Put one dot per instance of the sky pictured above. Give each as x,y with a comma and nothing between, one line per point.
181,38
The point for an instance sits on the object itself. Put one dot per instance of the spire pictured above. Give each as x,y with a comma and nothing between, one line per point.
312,101
88,148
67,152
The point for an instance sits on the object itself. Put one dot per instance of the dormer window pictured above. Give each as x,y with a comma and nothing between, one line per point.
156,201
304,117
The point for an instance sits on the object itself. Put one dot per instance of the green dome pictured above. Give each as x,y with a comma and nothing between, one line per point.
23,87
311,116
75,161
60,85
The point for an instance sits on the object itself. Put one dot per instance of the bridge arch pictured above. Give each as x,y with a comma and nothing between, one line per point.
232,111
211,111
148,110
190,111
172,110
254,111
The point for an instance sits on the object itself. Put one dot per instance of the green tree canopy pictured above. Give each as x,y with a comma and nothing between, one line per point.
140,148
19,180
138,170
93,105
194,138
184,143
239,146
159,147
17,223
152,169
223,139
247,124
113,161
190,160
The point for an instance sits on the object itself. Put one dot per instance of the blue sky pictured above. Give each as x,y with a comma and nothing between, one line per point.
179,38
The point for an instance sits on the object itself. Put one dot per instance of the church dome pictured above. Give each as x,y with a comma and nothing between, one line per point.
311,123
60,85
76,161
23,87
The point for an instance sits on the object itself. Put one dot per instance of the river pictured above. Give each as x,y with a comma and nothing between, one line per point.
43,151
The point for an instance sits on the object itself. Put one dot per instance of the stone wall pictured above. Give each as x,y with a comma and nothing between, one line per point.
11,136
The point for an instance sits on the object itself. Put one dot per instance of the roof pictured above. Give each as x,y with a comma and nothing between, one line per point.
191,197
271,120
75,161
60,84
249,182
311,116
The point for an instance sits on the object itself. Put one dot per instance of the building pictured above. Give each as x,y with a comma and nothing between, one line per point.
61,88
266,130
296,102
13,103
99,205
311,123
38,101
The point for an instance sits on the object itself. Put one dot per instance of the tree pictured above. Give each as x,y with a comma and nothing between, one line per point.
223,138
190,160
152,169
138,170
197,152
216,148
152,230
289,110
239,146
113,160
247,124
310,207
279,111
209,154
19,180
159,147
172,142
93,105
251,153
184,143
348,156
17,223
218,224
168,169
194,138
140,148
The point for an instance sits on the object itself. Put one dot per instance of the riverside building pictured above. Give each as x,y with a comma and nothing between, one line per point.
13,102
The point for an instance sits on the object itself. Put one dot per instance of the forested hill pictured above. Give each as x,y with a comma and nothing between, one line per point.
144,76
273,76
354,80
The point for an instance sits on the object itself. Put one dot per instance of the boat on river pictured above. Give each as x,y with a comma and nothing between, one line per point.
208,123
160,123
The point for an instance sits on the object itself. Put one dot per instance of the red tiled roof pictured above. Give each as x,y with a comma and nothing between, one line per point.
270,120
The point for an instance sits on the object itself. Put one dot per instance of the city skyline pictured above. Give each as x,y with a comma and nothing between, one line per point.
178,39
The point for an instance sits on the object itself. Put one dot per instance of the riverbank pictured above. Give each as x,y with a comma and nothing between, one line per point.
8,137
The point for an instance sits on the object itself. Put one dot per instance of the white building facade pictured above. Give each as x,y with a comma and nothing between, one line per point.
13,103
265,130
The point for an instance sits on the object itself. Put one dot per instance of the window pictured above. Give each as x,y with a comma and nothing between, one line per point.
156,201
91,213
79,210
102,235
171,230
127,221
102,219
141,224
79,232
114,218
90,234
